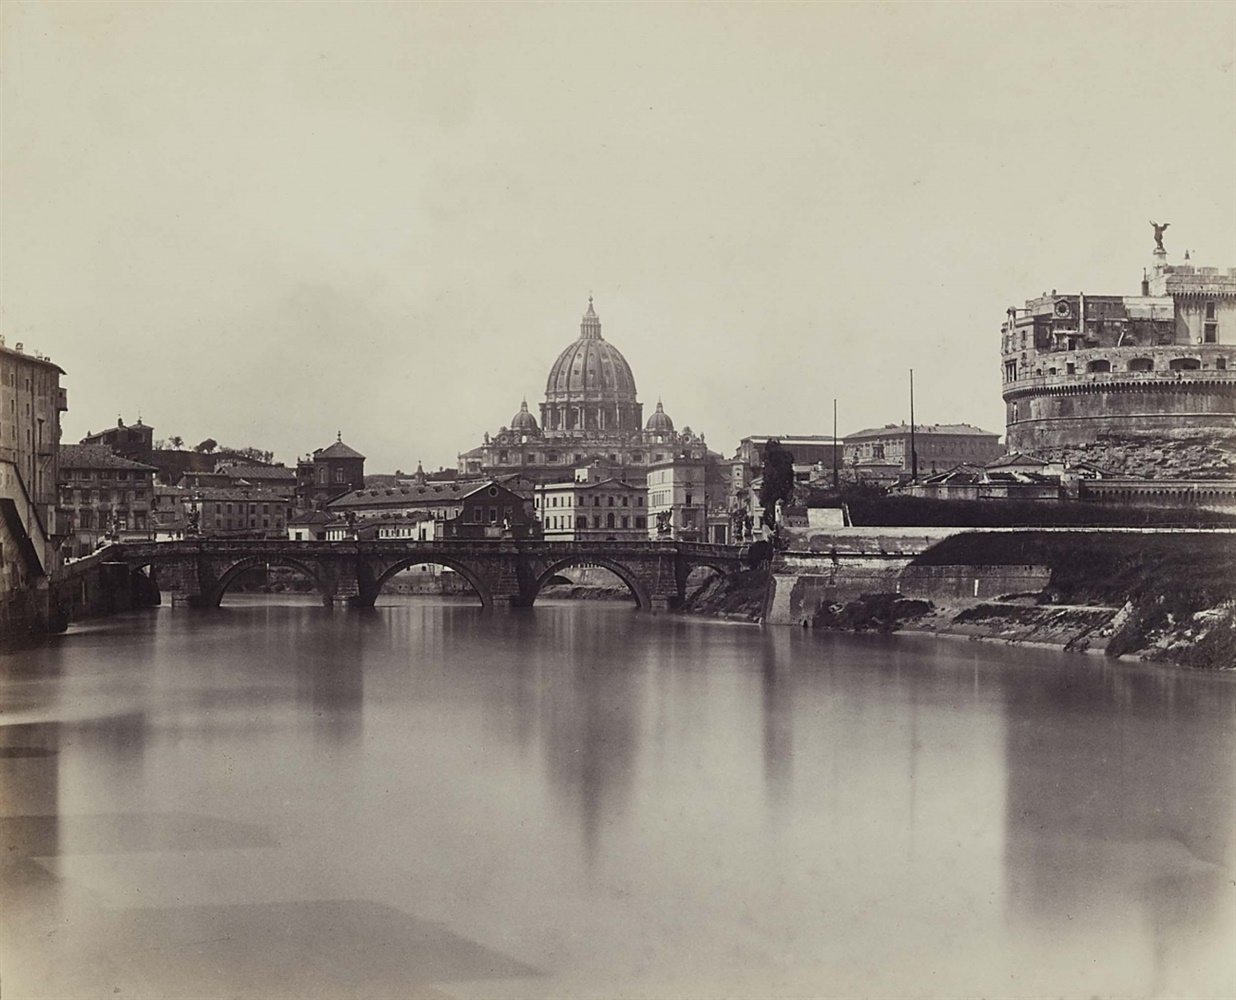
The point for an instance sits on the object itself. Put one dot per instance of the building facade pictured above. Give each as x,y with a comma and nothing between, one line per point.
814,455
103,497
885,452
677,499
135,443
328,473
1142,384
465,509
592,508
236,512
591,410
31,401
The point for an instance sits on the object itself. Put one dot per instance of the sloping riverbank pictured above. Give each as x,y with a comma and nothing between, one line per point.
1166,596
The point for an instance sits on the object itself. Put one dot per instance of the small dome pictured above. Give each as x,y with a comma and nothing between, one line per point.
524,422
660,421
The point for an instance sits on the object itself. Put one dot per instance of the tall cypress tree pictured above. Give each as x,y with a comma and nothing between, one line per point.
778,481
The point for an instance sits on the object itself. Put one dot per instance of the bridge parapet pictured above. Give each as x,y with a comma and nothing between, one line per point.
502,571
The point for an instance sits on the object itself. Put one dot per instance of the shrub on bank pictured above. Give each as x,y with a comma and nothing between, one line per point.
870,613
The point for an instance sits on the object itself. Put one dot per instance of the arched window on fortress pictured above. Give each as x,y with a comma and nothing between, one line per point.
1099,365
1141,365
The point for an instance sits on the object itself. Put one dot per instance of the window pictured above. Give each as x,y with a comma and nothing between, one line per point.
1141,365
1070,368
1210,310
581,522
1100,365
1210,334
641,522
493,515
1221,364
626,501
477,515
688,499
596,521
611,501
339,476
1184,364
626,522
609,520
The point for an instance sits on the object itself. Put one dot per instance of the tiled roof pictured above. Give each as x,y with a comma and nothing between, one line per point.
572,485
33,358
310,517
1015,458
403,496
337,450
414,517
247,494
789,438
96,456
251,472
896,430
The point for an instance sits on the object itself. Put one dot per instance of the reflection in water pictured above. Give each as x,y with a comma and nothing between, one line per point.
778,712
290,800
1138,833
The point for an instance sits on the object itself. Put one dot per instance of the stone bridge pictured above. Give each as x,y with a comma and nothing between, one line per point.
502,571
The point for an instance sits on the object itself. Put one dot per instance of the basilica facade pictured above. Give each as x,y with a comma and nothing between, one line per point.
591,416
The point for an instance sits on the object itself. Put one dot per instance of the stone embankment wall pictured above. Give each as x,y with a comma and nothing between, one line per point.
1155,593
847,563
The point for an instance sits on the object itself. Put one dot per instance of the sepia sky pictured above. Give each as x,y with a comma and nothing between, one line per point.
264,223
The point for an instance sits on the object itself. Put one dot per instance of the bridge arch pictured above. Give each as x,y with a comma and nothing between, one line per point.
482,591
229,575
624,573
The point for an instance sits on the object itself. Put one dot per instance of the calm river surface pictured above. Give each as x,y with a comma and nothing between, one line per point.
580,800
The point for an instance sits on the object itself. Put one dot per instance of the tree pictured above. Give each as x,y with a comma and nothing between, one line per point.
207,446
253,454
176,441
778,481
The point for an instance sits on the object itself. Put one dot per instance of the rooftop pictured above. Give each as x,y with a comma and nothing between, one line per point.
337,450
891,430
246,494
18,351
96,456
403,495
237,471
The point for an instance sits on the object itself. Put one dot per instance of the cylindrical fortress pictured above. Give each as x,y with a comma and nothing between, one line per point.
1127,380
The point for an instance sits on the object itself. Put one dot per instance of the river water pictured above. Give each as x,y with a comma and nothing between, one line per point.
425,799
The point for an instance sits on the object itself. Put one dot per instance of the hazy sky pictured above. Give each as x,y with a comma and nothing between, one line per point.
267,222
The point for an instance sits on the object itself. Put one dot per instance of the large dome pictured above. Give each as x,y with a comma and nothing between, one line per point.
591,369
